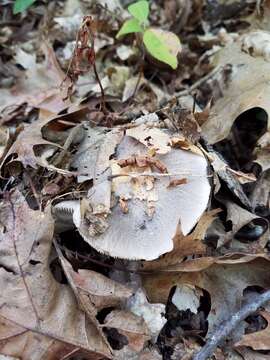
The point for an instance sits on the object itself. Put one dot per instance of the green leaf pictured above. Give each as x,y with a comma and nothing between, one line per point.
21,5
140,10
158,49
129,26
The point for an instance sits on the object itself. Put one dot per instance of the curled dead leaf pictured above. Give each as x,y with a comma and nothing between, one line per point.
41,312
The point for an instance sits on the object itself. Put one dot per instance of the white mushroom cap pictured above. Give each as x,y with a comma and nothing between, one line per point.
135,234
132,212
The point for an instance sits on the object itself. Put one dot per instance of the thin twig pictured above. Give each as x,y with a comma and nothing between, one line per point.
223,331
103,104
198,83
34,191
138,80
101,263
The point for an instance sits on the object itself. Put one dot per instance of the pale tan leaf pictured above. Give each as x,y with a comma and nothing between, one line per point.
40,85
101,291
259,340
224,282
185,244
248,87
151,137
31,136
130,325
37,307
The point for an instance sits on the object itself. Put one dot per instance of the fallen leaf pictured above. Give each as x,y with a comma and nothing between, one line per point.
248,87
248,354
31,136
224,282
41,312
151,137
150,354
259,340
130,86
185,244
40,85
129,325
94,290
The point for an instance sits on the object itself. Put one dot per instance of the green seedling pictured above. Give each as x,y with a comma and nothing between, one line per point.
21,5
162,45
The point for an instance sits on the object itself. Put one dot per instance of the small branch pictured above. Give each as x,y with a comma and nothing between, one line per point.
198,83
103,105
32,186
138,80
223,331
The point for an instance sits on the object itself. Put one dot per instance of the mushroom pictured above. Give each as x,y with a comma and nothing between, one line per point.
154,186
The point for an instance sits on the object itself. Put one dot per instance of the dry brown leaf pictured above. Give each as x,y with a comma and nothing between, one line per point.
39,86
4,138
151,137
240,218
31,136
248,354
130,86
259,340
183,119
182,143
248,87
94,288
150,354
185,245
224,282
202,116
129,325
42,312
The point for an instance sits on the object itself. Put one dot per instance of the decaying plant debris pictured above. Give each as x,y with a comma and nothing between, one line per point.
134,198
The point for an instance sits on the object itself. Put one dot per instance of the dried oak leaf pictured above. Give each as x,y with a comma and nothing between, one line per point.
224,281
259,340
251,241
39,85
185,245
248,87
94,289
39,317
130,325
31,137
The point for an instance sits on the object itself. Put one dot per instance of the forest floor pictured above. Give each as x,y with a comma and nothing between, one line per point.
135,195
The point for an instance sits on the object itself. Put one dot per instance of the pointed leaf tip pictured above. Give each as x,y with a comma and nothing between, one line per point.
140,10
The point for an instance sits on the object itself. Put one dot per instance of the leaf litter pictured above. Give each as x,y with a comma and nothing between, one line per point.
134,197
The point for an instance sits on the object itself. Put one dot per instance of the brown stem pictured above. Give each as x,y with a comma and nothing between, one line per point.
224,330
103,105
